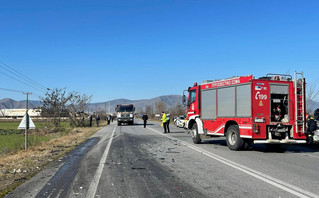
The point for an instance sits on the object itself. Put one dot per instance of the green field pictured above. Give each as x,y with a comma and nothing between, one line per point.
39,125
9,125
13,139
12,143
14,125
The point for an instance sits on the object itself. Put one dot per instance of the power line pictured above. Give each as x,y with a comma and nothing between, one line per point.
21,75
21,81
11,90
18,91
25,78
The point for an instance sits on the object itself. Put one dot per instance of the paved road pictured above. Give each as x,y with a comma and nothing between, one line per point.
132,161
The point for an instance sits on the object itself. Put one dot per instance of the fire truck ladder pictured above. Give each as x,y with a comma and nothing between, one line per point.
299,102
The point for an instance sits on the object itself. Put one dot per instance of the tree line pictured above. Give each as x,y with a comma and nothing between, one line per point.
57,105
160,106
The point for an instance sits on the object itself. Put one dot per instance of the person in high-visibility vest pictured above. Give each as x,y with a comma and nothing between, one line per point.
164,121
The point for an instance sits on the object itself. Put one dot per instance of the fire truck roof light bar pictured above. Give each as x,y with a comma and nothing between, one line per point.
283,75
210,81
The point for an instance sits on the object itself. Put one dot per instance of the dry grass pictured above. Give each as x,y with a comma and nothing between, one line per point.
21,166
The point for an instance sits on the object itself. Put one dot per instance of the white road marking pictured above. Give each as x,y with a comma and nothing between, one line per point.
60,191
98,173
49,196
266,178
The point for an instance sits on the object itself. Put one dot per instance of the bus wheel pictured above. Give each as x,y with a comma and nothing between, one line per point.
195,135
233,140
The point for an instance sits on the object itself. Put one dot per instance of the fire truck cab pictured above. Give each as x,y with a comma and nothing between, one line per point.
269,110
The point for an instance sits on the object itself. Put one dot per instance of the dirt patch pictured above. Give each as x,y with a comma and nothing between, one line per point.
21,166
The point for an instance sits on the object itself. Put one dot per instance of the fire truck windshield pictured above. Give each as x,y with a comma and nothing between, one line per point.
192,96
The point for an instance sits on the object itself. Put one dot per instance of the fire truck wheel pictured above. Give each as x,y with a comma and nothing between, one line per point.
233,140
195,135
247,144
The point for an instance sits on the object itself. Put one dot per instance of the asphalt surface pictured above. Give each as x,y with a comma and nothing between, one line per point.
133,161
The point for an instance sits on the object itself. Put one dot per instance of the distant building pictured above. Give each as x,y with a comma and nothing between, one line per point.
19,113
158,116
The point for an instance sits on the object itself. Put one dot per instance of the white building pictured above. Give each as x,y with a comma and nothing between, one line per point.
17,113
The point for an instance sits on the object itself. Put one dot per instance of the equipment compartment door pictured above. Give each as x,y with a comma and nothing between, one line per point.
261,107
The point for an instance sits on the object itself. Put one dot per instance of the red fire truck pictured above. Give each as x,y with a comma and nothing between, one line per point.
268,110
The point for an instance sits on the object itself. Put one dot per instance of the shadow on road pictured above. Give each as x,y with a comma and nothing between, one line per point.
216,142
292,148
138,124
178,132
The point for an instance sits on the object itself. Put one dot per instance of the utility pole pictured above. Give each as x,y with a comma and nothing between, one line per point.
27,120
109,98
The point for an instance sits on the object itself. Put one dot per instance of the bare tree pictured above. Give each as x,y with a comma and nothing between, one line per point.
311,94
58,104
139,110
54,106
149,110
160,106
76,107
178,109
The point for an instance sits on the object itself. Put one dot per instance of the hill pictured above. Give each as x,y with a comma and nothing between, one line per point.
169,100
8,103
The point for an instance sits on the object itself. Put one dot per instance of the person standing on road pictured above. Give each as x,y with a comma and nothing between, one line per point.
168,120
311,127
164,121
90,119
316,114
145,118
97,120
108,119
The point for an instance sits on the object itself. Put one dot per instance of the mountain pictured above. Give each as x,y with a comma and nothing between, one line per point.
312,105
8,103
169,100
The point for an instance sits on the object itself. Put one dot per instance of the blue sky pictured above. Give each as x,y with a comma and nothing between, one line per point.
140,49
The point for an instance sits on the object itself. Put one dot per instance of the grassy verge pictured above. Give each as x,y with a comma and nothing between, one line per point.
15,142
14,124
9,125
18,166
13,139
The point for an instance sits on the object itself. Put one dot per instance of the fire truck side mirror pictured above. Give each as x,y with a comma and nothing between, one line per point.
184,97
